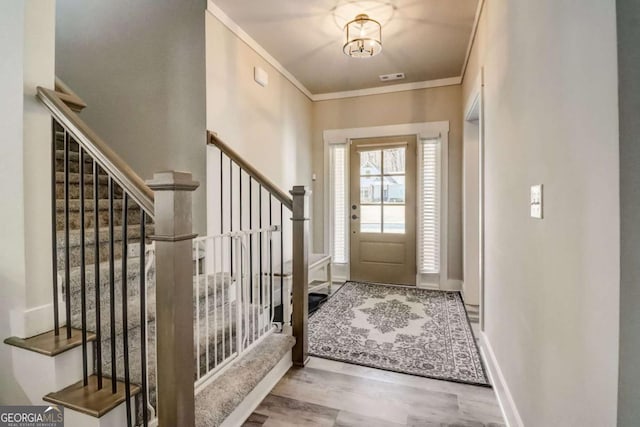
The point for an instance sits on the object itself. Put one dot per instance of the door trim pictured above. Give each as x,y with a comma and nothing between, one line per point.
425,130
476,100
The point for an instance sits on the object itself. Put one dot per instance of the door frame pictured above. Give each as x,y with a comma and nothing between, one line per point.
473,101
423,131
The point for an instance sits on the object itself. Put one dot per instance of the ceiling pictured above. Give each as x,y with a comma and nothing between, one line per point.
425,39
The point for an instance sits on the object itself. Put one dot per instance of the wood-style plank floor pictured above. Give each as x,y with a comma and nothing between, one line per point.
329,393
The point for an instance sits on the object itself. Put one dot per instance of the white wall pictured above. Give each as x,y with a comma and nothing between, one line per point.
270,127
26,43
552,286
140,67
629,90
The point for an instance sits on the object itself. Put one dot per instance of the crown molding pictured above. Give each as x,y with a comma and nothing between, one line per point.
472,39
388,89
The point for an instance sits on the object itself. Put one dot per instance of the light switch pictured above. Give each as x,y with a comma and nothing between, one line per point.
536,201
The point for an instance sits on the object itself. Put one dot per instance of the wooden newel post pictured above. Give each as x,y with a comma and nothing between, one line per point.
174,297
300,281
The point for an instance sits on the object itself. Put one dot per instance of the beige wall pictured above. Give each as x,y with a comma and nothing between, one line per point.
140,67
269,126
552,286
425,105
629,70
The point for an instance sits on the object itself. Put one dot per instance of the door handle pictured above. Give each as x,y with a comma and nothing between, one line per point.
354,217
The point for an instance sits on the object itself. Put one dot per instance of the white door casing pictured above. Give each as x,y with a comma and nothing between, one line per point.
423,131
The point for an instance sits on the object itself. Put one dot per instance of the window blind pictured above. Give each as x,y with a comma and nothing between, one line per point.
429,206
338,176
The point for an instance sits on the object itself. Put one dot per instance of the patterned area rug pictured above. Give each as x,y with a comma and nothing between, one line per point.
408,330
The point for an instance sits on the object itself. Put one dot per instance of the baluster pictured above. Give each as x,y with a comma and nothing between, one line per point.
271,255
54,231
83,279
67,258
206,303
282,262
112,287
251,235
270,258
125,323
231,213
222,256
221,196
238,305
239,299
143,317
215,302
260,226
96,269
197,292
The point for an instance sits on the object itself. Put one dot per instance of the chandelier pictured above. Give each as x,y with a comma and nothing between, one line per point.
363,37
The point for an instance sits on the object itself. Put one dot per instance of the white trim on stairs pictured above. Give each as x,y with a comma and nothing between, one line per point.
27,322
505,399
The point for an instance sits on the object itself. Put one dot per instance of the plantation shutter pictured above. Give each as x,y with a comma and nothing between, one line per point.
429,206
338,186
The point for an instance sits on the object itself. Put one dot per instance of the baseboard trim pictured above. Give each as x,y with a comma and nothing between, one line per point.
257,395
505,399
454,285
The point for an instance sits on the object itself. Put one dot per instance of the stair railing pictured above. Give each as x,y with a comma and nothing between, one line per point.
113,207
262,203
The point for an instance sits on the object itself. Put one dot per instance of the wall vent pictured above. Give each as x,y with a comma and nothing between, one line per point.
390,77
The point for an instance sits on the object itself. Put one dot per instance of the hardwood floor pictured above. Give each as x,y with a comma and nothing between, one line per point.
330,393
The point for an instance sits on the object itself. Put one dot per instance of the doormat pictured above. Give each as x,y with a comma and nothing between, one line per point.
408,330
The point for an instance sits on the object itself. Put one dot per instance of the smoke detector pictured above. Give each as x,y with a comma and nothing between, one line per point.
391,77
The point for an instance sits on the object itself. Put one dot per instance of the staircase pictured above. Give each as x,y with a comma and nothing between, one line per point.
108,322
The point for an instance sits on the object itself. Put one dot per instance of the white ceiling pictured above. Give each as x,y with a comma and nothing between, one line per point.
425,39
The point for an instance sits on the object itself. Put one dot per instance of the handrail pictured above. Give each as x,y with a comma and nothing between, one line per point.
283,197
108,160
69,97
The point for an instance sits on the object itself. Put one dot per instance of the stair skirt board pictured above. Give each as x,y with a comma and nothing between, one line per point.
253,400
232,397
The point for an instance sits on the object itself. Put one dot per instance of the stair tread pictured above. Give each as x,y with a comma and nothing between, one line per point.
73,155
48,343
89,400
103,232
218,400
103,205
74,178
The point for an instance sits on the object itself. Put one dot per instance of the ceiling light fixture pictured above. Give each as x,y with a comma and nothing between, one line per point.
363,37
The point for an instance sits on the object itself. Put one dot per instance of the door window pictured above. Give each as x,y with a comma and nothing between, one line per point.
382,191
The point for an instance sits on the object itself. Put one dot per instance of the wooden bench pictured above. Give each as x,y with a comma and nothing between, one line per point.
316,262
